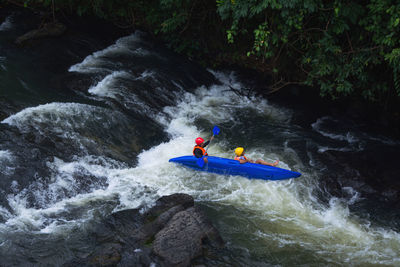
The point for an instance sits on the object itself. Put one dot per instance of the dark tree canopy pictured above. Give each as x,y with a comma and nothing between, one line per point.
345,48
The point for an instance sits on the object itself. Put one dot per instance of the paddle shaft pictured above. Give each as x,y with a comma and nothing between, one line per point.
209,144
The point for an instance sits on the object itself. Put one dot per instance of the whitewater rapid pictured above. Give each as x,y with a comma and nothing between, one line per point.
286,215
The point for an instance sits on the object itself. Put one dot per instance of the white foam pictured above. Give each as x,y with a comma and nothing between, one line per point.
287,204
354,195
112,87
68,121
322,149
285,212
106,87
6,159
57,116
146,74
348,137
129,45
5,155
6,25
159,176
217,105
61,194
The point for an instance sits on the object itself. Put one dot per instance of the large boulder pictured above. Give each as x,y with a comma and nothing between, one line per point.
172,233
181,240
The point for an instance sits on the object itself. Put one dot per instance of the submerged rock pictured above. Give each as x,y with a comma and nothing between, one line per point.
172,233
48,30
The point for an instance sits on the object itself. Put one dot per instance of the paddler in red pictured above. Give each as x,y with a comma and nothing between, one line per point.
198,150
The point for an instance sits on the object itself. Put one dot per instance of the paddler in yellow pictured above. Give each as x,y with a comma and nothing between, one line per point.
239,151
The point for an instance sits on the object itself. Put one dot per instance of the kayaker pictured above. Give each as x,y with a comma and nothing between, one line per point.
239,151
198,150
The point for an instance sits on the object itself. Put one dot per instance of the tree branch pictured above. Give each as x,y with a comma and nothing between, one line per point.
349,41
281,84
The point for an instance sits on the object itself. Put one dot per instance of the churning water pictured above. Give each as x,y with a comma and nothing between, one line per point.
67,164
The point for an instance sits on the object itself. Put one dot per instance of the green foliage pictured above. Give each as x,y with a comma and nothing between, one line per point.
394,60
344,47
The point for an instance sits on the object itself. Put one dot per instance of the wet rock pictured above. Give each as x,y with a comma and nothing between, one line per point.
166,202
172,233
105,255
181,239
138,256
147,232
48,30
7,108
108,255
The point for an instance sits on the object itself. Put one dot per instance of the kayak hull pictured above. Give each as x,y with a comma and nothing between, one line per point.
233,167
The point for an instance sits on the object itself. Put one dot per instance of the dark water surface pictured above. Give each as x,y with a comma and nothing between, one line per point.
88,125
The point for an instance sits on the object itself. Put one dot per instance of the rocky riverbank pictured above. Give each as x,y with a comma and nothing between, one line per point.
175,232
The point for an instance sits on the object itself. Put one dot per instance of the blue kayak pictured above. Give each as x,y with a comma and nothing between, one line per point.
234,167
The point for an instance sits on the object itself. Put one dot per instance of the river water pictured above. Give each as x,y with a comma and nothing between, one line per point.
71,154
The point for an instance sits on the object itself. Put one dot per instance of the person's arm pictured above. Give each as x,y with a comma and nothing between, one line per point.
242,161
208,142
245,160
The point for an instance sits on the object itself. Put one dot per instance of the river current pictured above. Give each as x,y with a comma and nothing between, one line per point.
72,155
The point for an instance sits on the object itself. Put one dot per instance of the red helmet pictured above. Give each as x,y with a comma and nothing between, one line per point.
199,141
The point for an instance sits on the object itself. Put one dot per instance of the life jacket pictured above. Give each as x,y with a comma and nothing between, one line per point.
240,157
202,150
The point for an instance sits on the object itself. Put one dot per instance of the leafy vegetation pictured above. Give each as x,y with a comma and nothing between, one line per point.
346,48
343,47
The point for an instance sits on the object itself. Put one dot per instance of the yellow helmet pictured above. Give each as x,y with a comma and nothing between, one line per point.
239,151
